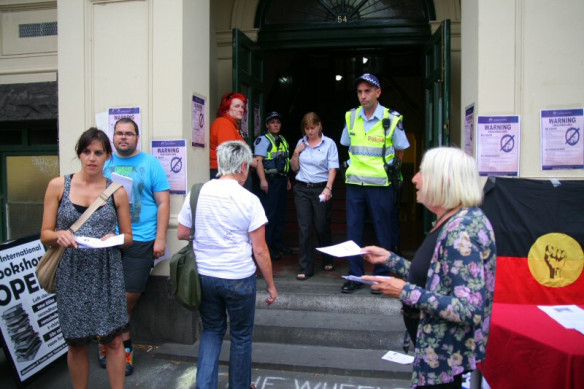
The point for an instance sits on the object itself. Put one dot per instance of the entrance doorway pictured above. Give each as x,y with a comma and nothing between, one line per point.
306,57
321,80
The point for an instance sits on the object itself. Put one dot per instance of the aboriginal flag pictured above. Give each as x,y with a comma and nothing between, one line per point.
539,228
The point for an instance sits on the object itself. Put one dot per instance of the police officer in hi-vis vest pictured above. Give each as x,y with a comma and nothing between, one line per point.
273,164
376,140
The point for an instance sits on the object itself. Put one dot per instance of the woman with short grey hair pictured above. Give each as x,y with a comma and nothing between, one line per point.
447,289
229,227
231,156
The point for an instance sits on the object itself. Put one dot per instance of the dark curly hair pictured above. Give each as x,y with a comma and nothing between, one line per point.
89,136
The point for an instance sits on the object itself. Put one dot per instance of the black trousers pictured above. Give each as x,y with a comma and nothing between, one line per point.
274,203
312,213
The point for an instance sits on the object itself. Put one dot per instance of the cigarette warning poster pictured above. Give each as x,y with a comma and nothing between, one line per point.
498,145
562,146
28,315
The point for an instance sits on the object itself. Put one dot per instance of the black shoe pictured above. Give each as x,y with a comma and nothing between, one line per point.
275,255
350,287
375,291
285,251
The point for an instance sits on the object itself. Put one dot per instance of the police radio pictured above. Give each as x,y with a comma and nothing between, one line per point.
392,170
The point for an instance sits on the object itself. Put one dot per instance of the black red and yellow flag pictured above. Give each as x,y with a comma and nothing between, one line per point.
539,228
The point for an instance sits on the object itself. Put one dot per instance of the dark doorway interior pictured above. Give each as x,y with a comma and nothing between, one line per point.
299,81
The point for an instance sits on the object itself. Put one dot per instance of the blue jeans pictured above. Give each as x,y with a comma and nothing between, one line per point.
221,297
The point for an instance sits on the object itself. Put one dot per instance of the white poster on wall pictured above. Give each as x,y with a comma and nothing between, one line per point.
562,146
257,124
469,132
498,145
172,156
198,122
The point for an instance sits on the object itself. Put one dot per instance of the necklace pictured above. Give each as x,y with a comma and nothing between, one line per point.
448,212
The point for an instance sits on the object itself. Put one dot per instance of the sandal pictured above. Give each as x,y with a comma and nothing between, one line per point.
302,277
328,268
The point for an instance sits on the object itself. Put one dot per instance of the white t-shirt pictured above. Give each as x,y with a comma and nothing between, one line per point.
226,214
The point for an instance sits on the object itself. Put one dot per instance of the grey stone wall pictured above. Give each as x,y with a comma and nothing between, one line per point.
34,101
158,318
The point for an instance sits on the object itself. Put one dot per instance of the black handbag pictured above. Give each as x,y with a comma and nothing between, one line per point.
184,277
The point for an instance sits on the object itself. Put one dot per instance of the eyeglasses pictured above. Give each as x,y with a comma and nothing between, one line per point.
126,134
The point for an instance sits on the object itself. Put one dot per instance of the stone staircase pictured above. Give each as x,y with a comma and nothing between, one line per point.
314,328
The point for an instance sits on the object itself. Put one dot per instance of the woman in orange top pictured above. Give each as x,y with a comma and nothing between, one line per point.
226,127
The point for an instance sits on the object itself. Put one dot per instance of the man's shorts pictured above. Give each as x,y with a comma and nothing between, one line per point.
137,260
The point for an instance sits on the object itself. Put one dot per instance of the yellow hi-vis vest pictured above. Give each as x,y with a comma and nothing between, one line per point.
366,149
277,159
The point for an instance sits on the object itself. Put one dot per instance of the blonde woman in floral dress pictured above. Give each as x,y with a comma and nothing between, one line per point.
447,289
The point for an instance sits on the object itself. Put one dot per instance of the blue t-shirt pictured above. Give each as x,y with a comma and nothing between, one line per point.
148,177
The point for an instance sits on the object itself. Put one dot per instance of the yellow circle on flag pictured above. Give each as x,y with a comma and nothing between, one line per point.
556,260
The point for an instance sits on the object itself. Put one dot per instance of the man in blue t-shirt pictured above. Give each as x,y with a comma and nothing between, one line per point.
150,210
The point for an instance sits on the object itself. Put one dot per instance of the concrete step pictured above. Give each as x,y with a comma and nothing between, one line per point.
329,329
302,358
324,295
314,328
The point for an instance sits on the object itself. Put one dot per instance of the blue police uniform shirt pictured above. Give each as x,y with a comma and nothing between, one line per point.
261,146
315,162
399,138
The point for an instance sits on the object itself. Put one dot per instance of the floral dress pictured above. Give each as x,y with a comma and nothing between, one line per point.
90,287
456,304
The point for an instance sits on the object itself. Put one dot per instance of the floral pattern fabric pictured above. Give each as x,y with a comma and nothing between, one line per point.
456,304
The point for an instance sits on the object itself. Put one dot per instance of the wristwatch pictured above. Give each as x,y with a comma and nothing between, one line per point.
329,188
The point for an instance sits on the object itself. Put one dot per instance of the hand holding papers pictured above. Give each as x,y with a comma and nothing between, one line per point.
86,242
361,280
345,249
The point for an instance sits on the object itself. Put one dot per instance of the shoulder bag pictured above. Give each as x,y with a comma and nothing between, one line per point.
47,268
184,277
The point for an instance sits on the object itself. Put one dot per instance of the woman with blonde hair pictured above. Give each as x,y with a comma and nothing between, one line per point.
447,289
316,161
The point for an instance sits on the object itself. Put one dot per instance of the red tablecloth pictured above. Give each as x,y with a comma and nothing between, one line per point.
529,349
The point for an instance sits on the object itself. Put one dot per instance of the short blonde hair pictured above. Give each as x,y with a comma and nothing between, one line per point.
310,119
450,178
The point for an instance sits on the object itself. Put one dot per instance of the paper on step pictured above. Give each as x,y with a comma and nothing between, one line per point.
396,357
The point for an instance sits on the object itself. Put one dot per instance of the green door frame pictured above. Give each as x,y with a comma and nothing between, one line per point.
248,78
437,87
437,91
248,64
